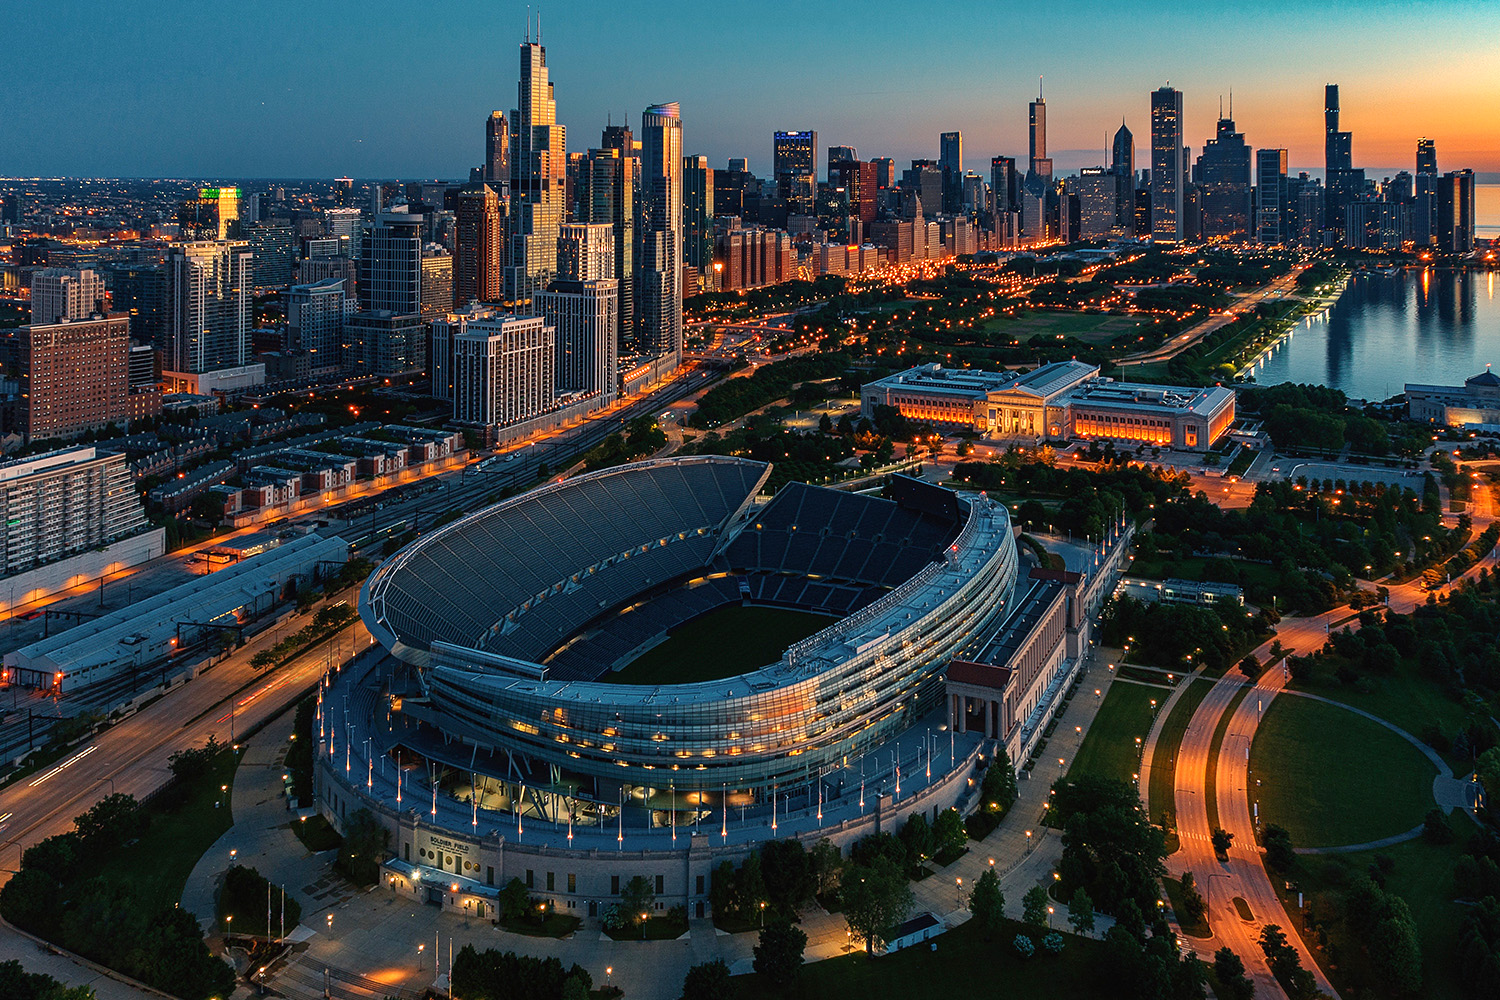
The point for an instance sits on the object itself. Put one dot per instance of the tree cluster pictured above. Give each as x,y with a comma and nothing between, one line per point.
245,893
736,397
18,984
1110,849
1176,633
494,975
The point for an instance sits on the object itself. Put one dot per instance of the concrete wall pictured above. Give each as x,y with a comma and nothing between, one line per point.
86,567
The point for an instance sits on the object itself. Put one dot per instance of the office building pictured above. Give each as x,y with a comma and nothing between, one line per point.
538,188
478,238
315,315
1122,165
343,192
437,281
1222,177
697,213
315,269
795,168
273,249
658,290
951,163
213,215
66,504
1167,174
1094,191
74,376
209,309
61,293
857,179
503,366
582,314
1454,229
1424,194
839,154
924,183
1371,224
390,263
496,150
347,226
586,251
1005,186
384,344
1270,197
1039,167
1343,184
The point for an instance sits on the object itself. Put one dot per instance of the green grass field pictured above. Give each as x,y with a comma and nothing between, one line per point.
962,962
1092,328
725,642
1404,698
1109,748
1164,763
1331,777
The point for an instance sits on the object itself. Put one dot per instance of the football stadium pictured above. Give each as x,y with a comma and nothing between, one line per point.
647,669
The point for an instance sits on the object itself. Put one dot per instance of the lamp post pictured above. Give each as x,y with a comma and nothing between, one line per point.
420,948
762,914
959,885
643,924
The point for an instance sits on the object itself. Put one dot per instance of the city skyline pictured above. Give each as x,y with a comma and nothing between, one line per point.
415,124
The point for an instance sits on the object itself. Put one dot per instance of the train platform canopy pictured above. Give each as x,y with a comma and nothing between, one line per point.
143,635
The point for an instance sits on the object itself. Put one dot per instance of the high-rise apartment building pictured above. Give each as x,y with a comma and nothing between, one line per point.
1270,197
951,163
586,251
209,307
1222,175
315,315
885,172
478,238
582,314
1426,156
1424,194
1122,165
343,192
65,503
74,375
62,293
390,263
496,149
384,344
607,196
538,185
1454,231
273,247
437,281
347,225
795,160
697,212
1167,173
502,367
658,289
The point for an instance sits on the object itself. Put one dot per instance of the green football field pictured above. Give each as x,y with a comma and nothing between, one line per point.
722,643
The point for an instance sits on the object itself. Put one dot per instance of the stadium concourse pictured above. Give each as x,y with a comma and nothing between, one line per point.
490,749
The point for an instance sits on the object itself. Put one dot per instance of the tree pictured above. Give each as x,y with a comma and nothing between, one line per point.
1435,828
948,834
1250,666
876,900
987,902
1034,906
1230,972
1193,905
998,789
787,874
513,900
1395,952
193,763
827,864
364,847
825,424
708,981
1280,854
111,821
637,897
1081,912
1222,839
916,837
778,956
574,988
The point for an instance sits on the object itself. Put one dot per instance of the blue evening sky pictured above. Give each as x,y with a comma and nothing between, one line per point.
318,88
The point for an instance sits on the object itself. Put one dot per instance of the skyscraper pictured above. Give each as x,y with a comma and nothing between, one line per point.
697,212
478,242
209,307
1424,194
538,189
213,215
951,162
1342,183
1338,151
348,226
1222,176
1270,197
1166,166
838,154
1426,156
1040,165
795,163
496,149
436,291
1455,212
581,308
857,178
586,251
315,316
390,264
503,366
658,291
62,293
607,195
1122,165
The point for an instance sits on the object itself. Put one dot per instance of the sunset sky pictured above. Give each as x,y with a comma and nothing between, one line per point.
316,89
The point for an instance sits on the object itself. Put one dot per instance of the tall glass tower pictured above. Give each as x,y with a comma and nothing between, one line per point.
538,179
1166,165
658,286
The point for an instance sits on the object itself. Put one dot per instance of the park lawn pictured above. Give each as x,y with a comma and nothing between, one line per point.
1331,777
1404,698
156,868
1091,328
1109,747
1422,876
1162,791
722,643
964,964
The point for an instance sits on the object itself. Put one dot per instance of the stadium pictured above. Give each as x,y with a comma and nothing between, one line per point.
531,693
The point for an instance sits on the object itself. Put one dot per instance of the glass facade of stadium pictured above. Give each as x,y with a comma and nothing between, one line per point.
489,734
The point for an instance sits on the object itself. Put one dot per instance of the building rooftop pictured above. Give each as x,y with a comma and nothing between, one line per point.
1135,396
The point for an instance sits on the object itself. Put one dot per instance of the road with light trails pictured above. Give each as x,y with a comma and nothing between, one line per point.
131,756
1243,875
1281,287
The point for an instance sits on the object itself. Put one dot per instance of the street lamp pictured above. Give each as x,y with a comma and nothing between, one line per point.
643,924
609,976
330,923
959,885
763,914
229,927
1049,918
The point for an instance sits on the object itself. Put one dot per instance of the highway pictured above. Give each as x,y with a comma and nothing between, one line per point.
1281,287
